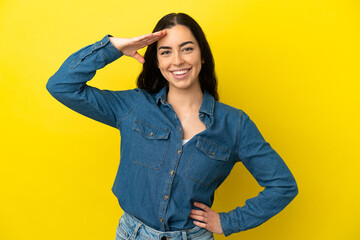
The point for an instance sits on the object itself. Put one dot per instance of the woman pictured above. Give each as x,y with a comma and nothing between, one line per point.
178,143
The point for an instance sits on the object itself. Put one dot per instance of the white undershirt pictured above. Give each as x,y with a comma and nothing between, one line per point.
185,141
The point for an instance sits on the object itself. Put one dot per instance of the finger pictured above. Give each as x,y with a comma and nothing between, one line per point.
198,212
151,40
151,37
200,224
200,218
145,42
201,205
138,57
155,35
160,33
139,38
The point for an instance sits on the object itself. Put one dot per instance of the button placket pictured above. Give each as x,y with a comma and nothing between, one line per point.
177,130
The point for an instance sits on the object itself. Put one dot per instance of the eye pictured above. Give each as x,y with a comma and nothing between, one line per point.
165,53
188,49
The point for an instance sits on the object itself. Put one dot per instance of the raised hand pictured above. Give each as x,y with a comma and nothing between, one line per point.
206,218
129,46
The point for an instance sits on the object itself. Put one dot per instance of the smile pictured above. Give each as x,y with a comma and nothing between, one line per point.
180,72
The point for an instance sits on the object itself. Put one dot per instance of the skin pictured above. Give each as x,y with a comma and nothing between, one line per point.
178,49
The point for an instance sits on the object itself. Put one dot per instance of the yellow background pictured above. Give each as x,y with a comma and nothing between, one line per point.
293,66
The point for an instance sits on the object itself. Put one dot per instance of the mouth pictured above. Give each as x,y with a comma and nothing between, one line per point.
181,73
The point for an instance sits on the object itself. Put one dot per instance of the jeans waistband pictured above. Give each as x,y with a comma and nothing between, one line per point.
147,232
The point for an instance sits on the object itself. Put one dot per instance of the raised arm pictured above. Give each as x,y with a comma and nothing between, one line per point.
68,84
129,46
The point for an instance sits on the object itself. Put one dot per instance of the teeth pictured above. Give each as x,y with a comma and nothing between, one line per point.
180,72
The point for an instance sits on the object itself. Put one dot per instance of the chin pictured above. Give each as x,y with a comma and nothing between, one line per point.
182,86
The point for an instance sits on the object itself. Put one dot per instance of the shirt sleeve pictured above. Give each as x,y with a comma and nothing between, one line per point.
68,85
270,171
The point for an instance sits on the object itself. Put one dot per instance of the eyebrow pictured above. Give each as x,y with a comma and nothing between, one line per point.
182,44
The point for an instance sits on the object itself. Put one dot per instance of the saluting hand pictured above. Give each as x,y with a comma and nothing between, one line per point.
129,46
208,218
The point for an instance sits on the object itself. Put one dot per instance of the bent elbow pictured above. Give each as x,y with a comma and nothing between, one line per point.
51,86
288,191
57,88
292,190
295,191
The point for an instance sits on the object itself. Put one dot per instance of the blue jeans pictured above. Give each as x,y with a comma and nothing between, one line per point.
131,228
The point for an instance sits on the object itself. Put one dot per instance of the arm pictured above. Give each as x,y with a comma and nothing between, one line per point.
270,171
68,84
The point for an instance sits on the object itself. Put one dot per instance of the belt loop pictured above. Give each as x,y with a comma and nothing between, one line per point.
184,235
136,229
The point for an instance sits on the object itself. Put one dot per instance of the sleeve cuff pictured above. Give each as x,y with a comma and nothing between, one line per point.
109,52
225,224
228,225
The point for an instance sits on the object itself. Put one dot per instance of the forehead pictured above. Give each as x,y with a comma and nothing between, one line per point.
177,35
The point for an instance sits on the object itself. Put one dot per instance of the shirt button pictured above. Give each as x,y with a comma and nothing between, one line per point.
101,43
179,151
151,133
207,126
179,129
201,115
212,152
172,173
161,219
166,196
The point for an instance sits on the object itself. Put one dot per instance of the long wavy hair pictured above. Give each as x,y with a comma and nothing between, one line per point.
152,80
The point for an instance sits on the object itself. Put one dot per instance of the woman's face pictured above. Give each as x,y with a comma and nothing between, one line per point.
179,58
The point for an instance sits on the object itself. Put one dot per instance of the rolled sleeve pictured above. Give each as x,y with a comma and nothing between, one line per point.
69,84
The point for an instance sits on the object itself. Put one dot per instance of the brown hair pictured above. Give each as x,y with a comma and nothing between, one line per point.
151,78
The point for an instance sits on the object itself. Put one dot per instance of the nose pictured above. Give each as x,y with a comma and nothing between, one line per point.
178,60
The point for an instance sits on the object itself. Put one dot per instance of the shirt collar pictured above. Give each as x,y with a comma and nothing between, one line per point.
161,95
207,105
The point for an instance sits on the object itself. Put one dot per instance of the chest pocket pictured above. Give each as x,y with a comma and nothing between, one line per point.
149,145
206,161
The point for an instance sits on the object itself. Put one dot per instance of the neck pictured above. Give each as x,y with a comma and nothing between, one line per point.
185,98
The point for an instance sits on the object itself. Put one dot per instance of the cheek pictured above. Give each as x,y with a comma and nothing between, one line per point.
163,65
159,62
195,59
162,69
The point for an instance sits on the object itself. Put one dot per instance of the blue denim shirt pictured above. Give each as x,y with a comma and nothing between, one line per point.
158,178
